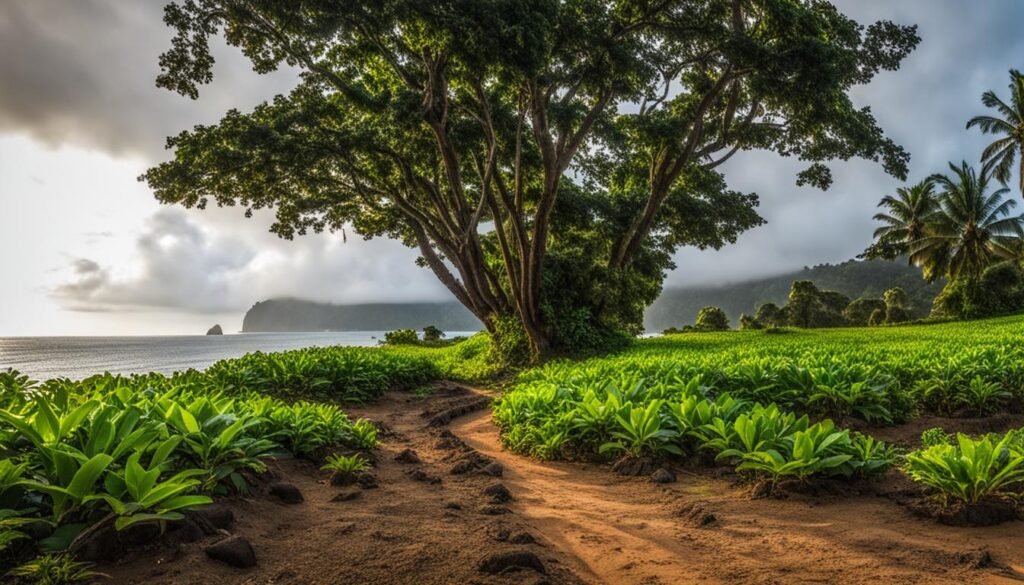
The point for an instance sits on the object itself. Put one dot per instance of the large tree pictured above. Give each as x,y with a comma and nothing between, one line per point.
1000,155
546,157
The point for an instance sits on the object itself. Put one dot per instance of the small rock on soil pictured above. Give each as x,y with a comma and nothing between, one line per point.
498,492
520,559
233,550
472,462
366,480
216,515
663,475
522,538
494,469
697,515
420,475
408,456
634,466
494,510
976,559
988,513
286,492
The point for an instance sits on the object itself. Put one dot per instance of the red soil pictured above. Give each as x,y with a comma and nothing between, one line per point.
590,525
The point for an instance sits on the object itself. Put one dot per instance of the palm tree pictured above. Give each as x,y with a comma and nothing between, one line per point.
1000,155
972,228
904,220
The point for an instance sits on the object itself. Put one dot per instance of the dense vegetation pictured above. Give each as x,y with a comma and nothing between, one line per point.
745,397
116,451
78,456
854,279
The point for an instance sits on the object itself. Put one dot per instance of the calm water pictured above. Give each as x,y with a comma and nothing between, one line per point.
78,357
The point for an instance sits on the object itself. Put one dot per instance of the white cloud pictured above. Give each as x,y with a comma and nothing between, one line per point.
180,264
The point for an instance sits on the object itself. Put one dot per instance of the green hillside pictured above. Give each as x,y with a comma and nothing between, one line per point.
855,278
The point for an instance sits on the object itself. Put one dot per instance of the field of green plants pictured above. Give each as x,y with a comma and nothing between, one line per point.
78,456
749,398
114,451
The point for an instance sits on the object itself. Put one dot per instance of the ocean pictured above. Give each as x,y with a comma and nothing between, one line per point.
79,357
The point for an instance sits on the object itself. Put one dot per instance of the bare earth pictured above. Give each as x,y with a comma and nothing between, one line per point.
589,525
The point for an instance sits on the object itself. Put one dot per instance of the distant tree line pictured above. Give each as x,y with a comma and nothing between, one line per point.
853,278
809,308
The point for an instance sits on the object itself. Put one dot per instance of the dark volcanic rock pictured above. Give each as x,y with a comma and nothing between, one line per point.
215,330
102,545
498,492
522,538
418,474
342,478
979,514
286,492
976,559
634,466
408,456
219,516
366,480
494,469
519,559
233,550
663,475
472,462
697,515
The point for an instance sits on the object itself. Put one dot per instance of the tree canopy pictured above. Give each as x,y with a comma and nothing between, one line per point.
545,157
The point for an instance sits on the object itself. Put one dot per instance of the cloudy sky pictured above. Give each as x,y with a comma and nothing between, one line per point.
85,249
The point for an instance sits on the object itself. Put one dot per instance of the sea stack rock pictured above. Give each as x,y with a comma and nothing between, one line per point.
215,330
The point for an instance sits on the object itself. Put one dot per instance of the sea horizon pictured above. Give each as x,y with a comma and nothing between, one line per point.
43,357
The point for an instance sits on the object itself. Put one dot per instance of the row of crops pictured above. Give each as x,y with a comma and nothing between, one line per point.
748,399
114,451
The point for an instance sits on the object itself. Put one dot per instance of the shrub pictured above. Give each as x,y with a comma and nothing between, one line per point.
346,463
770,315
401,337
432,334
749,323
969,471
712,319
999,290
860,311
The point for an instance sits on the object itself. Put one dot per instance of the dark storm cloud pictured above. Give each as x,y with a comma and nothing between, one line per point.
82,72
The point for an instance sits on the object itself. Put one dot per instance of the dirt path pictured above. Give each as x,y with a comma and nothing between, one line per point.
410,529
623,530
425,525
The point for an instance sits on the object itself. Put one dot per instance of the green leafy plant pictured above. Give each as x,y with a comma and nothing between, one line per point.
935,436
970,470
640,432
56,569
983,397
339,463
